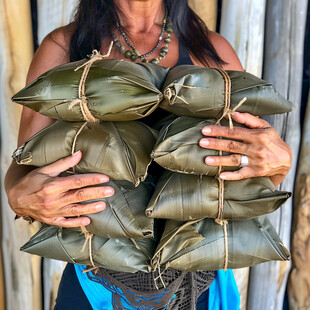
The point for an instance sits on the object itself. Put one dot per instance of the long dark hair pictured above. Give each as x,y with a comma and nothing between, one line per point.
94,20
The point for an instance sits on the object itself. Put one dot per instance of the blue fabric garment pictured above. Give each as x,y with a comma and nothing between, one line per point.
101,294
223,292
70,293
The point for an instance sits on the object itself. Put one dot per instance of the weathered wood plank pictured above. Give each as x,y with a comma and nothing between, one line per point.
283,62
242,24
53,14
2,283
299,280
15,55
242,279
207,11
52,274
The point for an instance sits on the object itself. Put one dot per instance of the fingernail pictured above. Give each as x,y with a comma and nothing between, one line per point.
86,221
76,153
204,142
209,160
104,179
109,191
206,130
100,207
223,177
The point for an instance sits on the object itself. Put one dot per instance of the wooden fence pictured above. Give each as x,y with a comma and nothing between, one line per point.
268,37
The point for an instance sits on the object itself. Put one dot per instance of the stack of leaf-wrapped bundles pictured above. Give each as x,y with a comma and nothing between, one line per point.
212,224
103,99
97,103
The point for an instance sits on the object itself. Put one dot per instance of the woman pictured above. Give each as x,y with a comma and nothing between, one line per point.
134,25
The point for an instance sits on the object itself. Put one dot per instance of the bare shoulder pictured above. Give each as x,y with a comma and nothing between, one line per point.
53,51
225,51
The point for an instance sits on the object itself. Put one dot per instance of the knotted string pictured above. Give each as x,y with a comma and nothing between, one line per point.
226,112
82,100
171,93
160,273
89,239
88,236
74,142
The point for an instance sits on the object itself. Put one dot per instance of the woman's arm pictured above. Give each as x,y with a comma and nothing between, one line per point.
268,154
41,193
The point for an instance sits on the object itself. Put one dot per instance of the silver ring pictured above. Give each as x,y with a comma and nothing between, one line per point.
244,161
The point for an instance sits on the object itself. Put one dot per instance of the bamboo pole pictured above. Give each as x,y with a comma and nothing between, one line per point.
299,280
22,272
206,10
285,29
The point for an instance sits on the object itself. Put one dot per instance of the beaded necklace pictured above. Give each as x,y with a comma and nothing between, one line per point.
134,55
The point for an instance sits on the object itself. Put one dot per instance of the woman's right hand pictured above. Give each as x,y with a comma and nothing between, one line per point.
54,200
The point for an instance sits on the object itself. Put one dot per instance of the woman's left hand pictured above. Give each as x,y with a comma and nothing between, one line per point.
268,154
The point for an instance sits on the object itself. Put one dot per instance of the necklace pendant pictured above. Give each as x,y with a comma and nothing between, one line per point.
128,54
133,57
135,51
155,61
164,50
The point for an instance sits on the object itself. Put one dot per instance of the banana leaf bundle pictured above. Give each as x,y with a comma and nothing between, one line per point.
201,246
197,91
184,197
177,147
121,150
113,90
124,215
125,255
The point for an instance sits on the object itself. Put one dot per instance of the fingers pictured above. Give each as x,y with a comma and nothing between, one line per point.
243,173
62,164
84,194
69,222
238,133
63,184
233,160
73,210
229,146
250,120
69,216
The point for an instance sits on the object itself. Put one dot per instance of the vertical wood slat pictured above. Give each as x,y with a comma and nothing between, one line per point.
242,24
22,291
51,15
283,63
206,10
2,283
299,279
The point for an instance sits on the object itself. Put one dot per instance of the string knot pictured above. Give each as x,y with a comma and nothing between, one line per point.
160,273
88,240
82,99
171,95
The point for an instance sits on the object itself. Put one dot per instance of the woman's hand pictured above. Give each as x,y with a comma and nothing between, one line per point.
268,154
54,200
